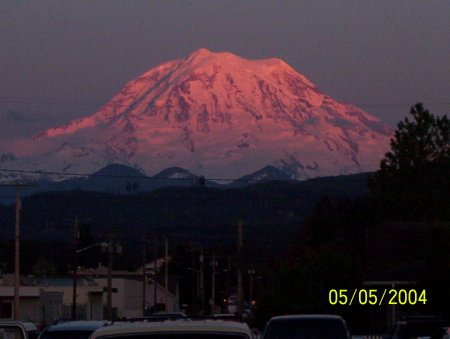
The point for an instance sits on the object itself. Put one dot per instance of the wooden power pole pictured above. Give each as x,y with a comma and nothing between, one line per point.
166,274
76,239
202,284
213,284
17,257
144,275
109,283
155,269
16,307
240,260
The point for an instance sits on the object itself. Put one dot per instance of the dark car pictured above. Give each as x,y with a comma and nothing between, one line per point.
314,326
425,327
81,329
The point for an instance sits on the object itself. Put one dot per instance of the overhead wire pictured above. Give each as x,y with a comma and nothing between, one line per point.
69,101
66,101
144,177
50,101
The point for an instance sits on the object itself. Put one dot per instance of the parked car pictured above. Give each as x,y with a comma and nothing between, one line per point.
306,327
18,330
80,329
446,333
426,327
178,329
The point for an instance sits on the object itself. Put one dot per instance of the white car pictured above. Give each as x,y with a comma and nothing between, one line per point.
179,329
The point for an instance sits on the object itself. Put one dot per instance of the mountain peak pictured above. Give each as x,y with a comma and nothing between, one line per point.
201,52
230,58
223,116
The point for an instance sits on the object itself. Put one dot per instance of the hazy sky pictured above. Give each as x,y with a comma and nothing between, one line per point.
63,59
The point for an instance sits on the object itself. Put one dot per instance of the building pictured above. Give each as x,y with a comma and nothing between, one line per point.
46,299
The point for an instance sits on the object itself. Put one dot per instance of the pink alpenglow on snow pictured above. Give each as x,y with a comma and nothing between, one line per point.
221,116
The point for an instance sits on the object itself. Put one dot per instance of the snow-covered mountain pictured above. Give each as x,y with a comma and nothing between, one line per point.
268,173
217,115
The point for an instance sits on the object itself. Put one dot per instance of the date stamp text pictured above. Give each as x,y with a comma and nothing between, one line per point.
377,296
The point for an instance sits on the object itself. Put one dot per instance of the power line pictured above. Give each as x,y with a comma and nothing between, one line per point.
69,101
50,101
400,104
159,198
130,176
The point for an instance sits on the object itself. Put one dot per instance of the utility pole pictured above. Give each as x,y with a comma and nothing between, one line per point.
202,286
144,276
228,274
194,296
17,257
240,257
166,274
213,284
74,273
76,238
109,287
155,270
113,247
16,310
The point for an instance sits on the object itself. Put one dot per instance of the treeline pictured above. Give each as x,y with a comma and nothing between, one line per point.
400,230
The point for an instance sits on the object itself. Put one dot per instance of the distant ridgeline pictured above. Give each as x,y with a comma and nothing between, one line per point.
272,210
123,180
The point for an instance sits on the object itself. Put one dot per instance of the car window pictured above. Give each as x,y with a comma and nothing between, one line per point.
306,329
66,334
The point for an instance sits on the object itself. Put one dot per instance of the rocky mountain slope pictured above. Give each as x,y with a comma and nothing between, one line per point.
216,115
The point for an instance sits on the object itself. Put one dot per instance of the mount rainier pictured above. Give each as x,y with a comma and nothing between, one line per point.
216,115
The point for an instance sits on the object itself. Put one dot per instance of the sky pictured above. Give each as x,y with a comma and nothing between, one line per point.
63,59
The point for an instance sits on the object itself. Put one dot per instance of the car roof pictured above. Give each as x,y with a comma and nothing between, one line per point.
29,326
306,316
181,314
78,325
174,326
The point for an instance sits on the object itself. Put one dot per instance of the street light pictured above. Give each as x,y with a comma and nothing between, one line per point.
251,272
103,245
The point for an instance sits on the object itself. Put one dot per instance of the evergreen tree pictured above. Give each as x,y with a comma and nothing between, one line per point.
414,177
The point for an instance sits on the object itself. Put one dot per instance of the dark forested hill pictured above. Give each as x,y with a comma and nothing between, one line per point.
272,212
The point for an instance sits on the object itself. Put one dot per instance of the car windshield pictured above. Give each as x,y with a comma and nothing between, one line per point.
81,334
306,329
178,336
